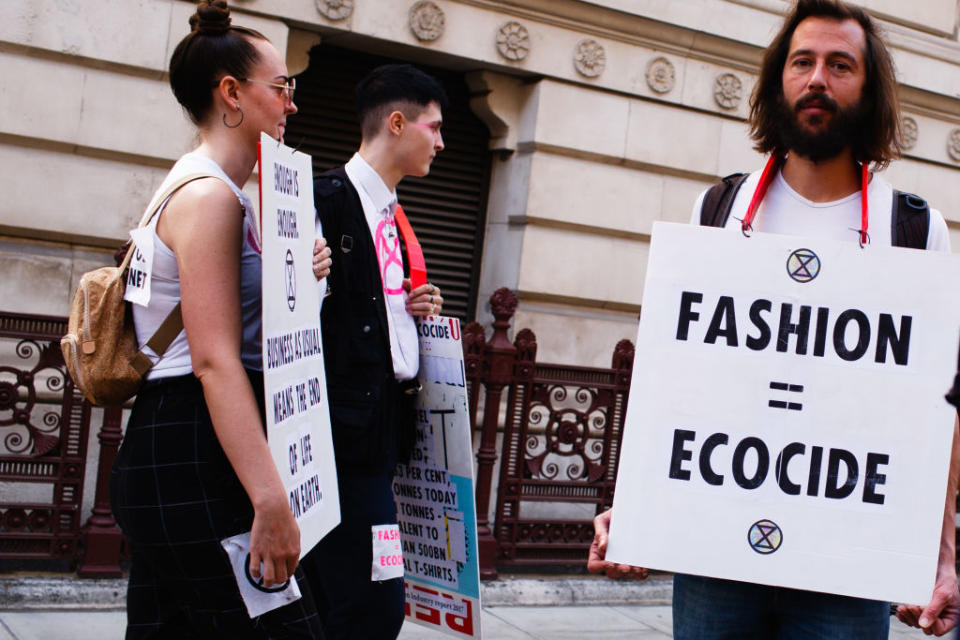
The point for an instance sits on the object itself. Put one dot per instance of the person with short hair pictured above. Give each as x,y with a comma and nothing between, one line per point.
825,109
370,343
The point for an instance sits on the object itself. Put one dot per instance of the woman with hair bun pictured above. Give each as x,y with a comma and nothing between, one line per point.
194,467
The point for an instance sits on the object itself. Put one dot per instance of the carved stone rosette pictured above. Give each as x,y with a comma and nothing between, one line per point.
728,91
335,9
589,58
513,41
953,145
910,132
427,21
661,75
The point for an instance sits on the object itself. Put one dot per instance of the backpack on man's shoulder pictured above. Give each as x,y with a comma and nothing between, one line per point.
910,221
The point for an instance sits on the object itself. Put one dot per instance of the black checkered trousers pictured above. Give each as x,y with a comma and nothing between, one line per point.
175,495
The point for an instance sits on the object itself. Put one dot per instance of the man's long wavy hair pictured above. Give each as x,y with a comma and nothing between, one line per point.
882,141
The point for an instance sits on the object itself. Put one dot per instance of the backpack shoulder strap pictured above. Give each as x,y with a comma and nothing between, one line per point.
330,193
172,325
910,221
718,200
162,197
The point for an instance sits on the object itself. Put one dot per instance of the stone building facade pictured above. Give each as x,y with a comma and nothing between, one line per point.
603,116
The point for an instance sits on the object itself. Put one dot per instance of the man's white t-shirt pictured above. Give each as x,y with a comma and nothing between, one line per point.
786,212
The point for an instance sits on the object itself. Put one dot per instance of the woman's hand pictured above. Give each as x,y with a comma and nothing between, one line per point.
274,541
321,258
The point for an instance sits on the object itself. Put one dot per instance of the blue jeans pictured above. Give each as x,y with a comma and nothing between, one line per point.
713,609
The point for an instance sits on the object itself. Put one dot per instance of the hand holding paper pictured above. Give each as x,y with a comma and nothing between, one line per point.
258,596
596,562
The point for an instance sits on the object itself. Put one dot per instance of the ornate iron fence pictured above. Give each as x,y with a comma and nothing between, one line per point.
44,423
557,436
560,445
44,429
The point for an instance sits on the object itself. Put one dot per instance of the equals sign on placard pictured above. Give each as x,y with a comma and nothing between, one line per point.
780,404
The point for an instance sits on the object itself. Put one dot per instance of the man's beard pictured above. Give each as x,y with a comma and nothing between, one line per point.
845,130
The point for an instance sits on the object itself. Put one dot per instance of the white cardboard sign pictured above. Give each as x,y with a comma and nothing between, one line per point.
434,492
295,386
786,422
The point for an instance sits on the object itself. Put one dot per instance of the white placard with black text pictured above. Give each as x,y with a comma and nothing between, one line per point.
295,387
434,492
786,422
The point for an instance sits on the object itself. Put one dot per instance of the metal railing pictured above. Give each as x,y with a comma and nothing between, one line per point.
560,444
555,431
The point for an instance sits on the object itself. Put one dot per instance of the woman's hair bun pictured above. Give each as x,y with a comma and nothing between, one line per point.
212,17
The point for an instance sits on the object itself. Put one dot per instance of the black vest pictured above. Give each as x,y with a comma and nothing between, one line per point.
372,420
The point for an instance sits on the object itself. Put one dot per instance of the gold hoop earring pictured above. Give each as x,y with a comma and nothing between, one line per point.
233,126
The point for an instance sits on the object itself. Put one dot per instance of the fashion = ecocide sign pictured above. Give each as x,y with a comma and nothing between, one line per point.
787,398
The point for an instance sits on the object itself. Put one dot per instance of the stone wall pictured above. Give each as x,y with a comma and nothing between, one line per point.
605,116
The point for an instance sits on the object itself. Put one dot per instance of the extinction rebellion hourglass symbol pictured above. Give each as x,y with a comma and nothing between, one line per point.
765,537
803,265
291,281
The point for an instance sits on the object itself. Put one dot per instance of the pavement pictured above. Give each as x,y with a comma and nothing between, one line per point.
54,607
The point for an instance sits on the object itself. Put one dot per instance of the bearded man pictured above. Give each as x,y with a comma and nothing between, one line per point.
825,109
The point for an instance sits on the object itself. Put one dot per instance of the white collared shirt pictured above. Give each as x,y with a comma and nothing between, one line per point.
379,204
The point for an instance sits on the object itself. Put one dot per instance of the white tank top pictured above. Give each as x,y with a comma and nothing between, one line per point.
165,282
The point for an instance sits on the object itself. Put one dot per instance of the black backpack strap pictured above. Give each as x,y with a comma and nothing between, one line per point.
910,221
719,200
329,196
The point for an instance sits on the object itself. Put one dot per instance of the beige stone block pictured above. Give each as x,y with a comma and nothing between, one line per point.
136,33
736,149
934,183
954,238
934,15
94,108
503,241
502,250
584,192
755,23
83,259
679,197
509,187
676,138
133,115
575,335
564,264
132,32
933,74
46,101
274,30
64,195
579,118
37,278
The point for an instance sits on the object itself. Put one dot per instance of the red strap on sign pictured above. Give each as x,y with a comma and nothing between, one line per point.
770,172
418,266
864,212
766,178
260,188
